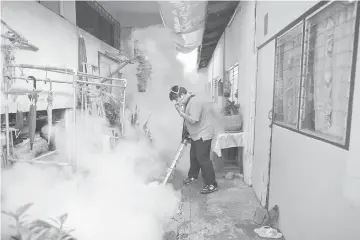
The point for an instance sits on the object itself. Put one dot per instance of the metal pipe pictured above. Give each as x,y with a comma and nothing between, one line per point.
46,154
99,84
22,39
45,68
61,70
178,155
123,114
78,81
99,77
112,57
115,71
41,80
7,118
32,161
73,163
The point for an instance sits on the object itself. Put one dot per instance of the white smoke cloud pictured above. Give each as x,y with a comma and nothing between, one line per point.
112,195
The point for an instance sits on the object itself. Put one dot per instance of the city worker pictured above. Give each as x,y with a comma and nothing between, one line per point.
199,129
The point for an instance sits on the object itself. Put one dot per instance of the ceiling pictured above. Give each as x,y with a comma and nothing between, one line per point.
140,14
137,14
219,13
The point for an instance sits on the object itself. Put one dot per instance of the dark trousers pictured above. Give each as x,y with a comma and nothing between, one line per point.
200,159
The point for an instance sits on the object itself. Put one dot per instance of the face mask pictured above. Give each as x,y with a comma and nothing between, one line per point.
181,100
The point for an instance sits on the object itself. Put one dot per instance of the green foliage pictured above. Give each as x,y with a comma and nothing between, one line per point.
134,122
144,67
38,229
112,112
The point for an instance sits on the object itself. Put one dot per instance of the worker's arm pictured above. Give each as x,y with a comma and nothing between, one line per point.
195,113
188,118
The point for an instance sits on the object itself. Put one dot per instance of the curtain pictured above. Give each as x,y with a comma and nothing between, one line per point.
332,32
288,76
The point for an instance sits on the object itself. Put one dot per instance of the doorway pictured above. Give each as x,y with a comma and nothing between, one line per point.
263,121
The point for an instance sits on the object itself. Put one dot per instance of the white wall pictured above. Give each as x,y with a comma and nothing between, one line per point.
315,184
216,70
238,44
57,40
280,14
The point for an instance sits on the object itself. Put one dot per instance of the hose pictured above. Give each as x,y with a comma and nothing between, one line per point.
178,155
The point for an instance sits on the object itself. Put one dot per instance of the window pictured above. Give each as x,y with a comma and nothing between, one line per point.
313,69
232,83
52,5
215,90
287,76
220,88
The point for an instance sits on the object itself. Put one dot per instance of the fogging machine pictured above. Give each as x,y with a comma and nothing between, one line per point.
178,155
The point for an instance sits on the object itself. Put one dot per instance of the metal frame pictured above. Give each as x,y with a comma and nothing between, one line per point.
303,17
75,83
317,7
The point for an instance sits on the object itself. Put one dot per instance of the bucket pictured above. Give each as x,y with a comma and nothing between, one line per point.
232,123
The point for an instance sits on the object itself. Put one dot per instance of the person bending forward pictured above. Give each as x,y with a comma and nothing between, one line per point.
200,129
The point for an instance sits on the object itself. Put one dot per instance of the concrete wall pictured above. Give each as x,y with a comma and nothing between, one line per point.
239,47
315,184
237,43
216,70
57,40
280,14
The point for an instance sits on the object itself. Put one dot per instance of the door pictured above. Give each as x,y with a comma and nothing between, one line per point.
264,103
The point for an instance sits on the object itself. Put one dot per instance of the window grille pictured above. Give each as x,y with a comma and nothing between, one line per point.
329,41
94,19
287,76
313,68
220,88
232,83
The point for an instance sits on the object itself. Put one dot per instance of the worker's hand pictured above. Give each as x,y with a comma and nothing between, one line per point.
178,108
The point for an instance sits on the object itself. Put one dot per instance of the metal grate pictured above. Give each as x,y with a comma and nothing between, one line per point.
287,76
93,18
328,51
232,83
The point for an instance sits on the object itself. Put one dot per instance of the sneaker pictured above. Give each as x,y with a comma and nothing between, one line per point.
189,180
209,189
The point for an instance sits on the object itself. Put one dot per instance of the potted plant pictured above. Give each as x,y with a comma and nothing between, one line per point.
143,70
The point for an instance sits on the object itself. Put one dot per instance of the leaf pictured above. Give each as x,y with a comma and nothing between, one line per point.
24,222
67,237
63,218
36,229
12,226
70,230
21,210
40,235
8,213
56,221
